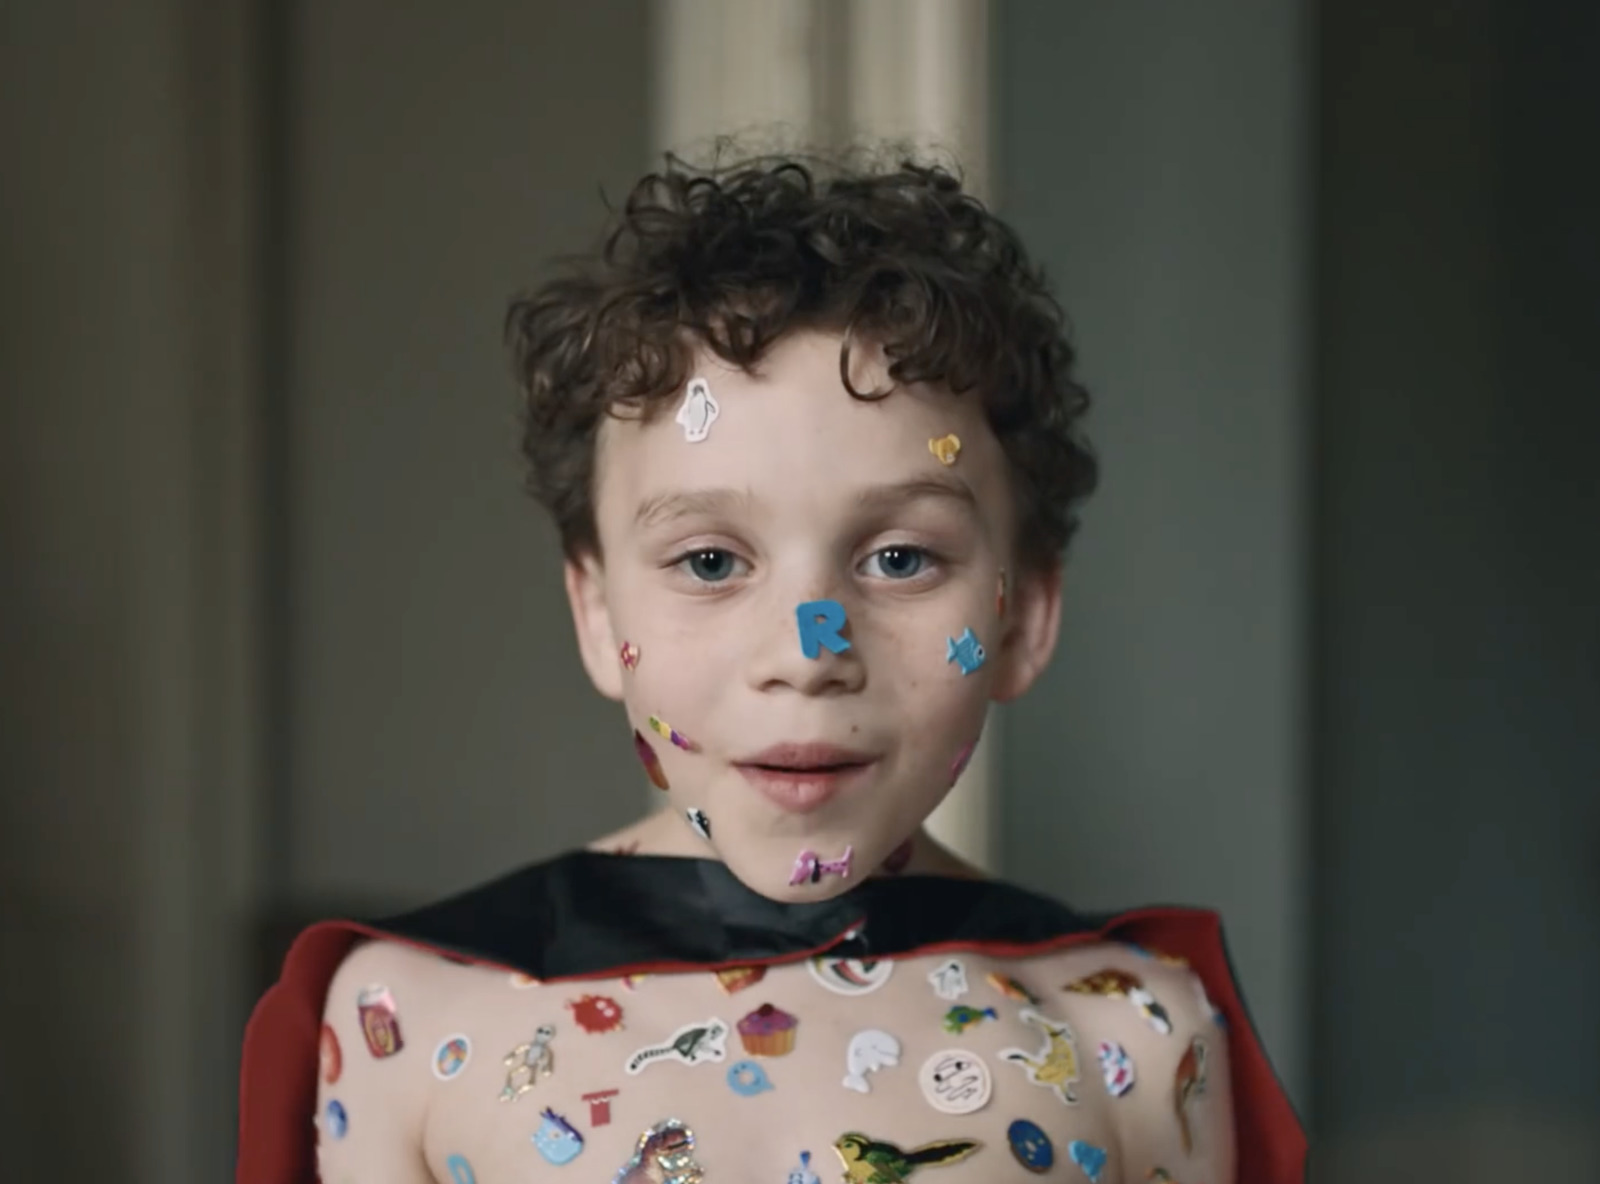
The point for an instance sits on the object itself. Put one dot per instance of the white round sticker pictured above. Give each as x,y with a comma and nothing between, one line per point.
956,1081
851,976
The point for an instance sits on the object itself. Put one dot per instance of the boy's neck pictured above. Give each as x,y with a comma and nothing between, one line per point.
664,833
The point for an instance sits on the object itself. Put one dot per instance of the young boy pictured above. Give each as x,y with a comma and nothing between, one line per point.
812,444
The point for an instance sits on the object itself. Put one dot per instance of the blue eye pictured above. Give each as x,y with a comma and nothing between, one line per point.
899,563
711,566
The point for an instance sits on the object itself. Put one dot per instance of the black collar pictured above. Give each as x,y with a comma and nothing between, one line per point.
586,914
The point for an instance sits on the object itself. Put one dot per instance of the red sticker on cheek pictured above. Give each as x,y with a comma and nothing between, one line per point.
651,762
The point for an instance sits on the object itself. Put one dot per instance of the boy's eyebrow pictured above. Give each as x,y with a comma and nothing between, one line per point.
670,506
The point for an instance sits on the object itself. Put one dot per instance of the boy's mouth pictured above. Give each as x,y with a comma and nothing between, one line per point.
799,778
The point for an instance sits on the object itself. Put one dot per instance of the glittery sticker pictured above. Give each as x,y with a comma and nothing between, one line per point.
664,1155
629,653
526,1063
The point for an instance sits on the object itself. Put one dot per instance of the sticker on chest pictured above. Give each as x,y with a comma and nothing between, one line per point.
877,1161
956,1081
691,1044
528,1062
850,976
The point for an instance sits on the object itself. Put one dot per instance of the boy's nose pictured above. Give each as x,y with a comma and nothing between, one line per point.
811,648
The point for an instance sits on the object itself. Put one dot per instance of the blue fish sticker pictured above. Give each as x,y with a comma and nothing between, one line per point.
967,650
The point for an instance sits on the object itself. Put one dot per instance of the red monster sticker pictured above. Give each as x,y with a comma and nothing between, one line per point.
596,1013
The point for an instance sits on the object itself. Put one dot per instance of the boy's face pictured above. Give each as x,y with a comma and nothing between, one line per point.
799,493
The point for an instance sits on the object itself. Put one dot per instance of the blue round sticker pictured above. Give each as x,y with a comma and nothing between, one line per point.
1031,1146
336,1120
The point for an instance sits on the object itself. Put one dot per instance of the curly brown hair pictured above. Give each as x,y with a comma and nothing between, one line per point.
733,257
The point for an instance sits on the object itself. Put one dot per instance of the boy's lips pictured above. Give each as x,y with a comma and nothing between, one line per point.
799,778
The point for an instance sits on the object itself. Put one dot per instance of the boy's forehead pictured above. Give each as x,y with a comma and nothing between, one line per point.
791,433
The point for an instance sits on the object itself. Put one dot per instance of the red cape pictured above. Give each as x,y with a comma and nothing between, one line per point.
562,920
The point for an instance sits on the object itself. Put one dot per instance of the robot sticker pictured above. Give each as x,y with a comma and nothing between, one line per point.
526,1063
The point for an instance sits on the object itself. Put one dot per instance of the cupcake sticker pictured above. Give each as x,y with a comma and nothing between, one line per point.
768,1031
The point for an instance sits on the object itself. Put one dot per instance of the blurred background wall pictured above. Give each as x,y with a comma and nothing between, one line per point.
280,636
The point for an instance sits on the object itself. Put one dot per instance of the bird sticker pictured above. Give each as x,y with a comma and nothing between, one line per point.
698,411
1055,1065
873,1161
961,1017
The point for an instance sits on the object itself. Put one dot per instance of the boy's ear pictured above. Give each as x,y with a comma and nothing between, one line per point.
591,618
1032,624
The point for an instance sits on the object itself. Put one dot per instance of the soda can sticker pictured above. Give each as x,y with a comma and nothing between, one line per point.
451,1056
380,1023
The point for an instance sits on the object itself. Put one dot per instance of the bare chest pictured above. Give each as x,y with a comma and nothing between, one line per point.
938,1068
